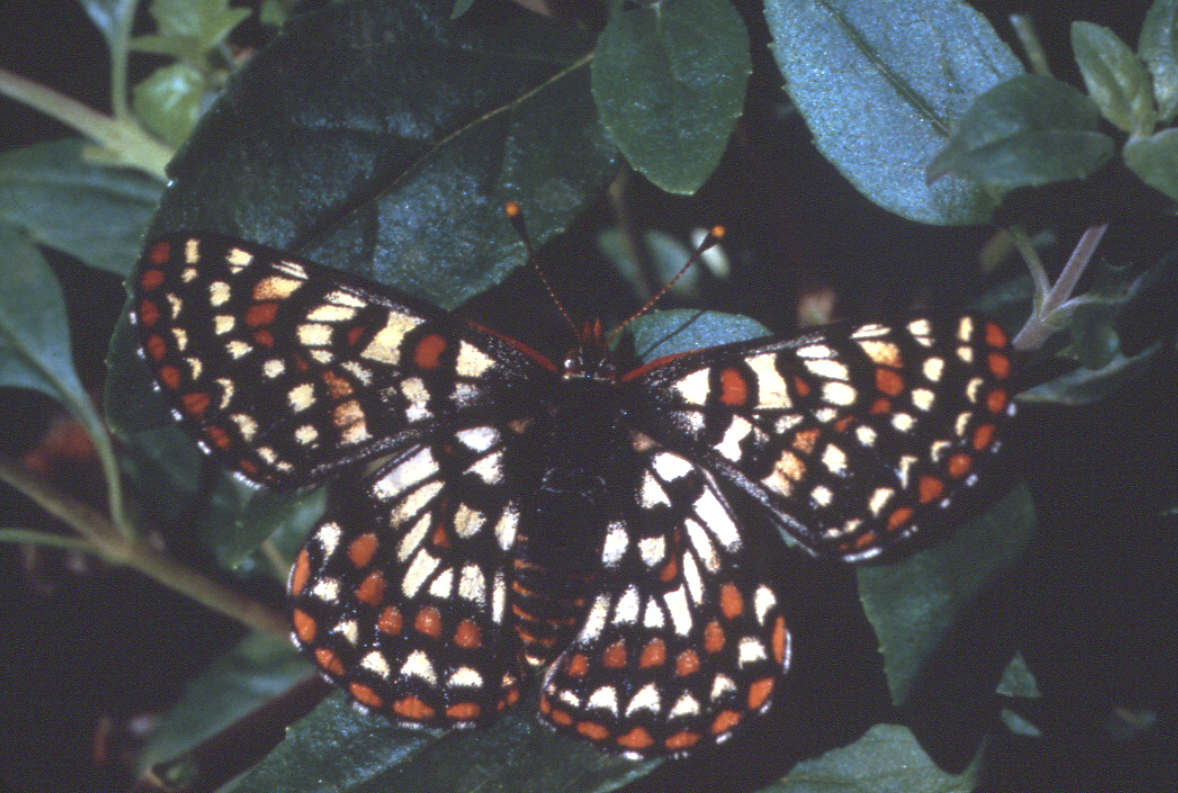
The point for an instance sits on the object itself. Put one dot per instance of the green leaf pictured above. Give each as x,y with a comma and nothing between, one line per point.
460,8
114,18
337,749
1158,47
914,603
887,759
92,212
269,513
1115,78
1027,131
1155,160
881,104
35,344
678,330
1017,680
171,100
188,29
1083,386
395,156
258,669
669,80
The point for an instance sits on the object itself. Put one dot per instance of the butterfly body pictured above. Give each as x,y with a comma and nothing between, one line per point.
513,513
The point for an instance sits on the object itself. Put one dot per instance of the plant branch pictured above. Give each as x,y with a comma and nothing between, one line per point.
1044,318
125,139
102,538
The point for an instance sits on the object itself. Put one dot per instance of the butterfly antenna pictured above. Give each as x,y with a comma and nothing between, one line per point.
713,236
516,216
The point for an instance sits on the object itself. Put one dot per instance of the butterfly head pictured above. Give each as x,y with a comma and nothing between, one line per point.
591,358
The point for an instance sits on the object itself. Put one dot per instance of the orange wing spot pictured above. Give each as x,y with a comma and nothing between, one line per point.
930,488
682,740
780,635
592,730
247,466
888,381
577,666
560,717
996,400
511,697
983,436
337,386
159,254
304,626
218,436
614,656
686,663
862,541
637,738
264,338
734,388
463,711
759,692
429,351
170,376
842,424
371,589
731,603
725,720
156,347
713,637
881,407
440,539
411,707
299,362
261,314
302,571
196,403
653,654
362,549
899,517
329,661
429,622
995,336
148,313
999,365
959,465
354,335
467,635
669,571
805,440
801,386
545,704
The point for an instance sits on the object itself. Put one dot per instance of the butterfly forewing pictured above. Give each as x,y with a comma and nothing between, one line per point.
853,436
684,640
286,370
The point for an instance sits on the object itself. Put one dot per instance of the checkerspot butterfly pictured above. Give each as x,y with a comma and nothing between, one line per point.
498,511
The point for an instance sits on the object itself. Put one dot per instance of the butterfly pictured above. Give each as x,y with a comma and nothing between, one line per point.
496,512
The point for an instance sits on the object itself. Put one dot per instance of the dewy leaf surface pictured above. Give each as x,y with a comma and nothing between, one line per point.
881,85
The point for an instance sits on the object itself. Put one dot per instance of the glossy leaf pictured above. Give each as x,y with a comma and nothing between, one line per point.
170,101
669,80
662,333
1158,47
887,759
881,104
912,604
1115,78
1027,131
1155,160
95,213
268,513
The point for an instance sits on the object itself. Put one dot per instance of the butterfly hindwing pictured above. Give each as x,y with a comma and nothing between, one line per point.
684,640
287,370
853,436
400,594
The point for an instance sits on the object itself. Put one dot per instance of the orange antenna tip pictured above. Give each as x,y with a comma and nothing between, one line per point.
718,232
512,209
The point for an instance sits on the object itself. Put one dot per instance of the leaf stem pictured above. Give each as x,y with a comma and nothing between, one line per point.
125,139
102,538
1042,322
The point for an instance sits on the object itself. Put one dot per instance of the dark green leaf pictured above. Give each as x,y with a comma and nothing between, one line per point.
268,513
189,28
887,759
170,101
95,213
1158,47
914,603
1115,78
134,405
460,8
669,79
1030,130
662,333
1017,680
254,672
1083,386
1155,160
338,750
881,104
